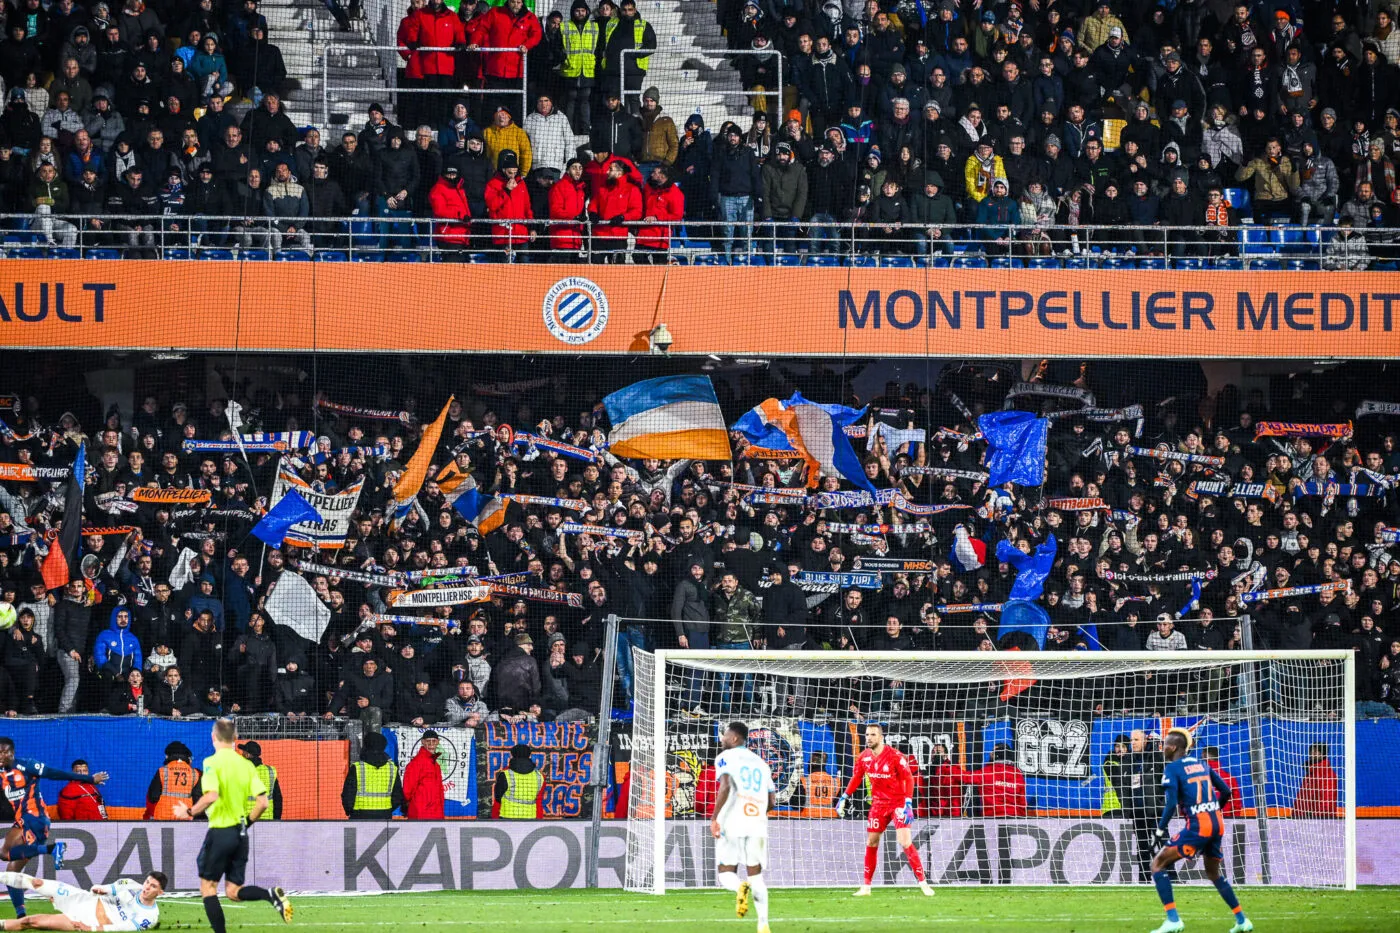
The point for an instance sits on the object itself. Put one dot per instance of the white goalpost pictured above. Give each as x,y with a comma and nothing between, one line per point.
1034,768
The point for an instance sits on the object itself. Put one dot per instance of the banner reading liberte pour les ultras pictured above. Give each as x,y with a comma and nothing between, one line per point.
511,855
772,311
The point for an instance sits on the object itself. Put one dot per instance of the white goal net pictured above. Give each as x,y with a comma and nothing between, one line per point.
1031,769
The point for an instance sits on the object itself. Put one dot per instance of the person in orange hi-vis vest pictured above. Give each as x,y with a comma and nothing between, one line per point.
176,781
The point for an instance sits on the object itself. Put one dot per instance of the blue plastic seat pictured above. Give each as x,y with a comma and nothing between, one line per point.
404,256
332,256
897,262
1006,262
255,255
788,259
366,256
864,261
1152,262
710,259
1111,261
175,253
1229,264
67,252
941,262
969,262
1265,265
103,253
1301,265
1240,200
823,259
1257,240
1189,262
1300,240
294,255
31,252
1044,262
223,255
1076,262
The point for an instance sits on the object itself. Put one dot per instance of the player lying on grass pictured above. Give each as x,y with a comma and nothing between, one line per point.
744,795
891,787
122,905
1201,794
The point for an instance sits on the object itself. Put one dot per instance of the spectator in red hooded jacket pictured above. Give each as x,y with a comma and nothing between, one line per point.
595,173
447,199
506,27
79,801
433,26
568,200
422,782
507,199
945,784
618,204
1000,785
1317,795
411,78
662,205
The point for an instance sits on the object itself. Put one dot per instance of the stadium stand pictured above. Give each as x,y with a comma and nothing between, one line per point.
1120,135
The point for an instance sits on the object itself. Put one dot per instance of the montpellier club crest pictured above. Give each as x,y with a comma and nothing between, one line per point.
575,310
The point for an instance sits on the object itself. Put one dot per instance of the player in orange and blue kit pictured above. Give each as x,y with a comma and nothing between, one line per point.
29,836
1193,787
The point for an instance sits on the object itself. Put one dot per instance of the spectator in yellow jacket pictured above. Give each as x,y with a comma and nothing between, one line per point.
504,133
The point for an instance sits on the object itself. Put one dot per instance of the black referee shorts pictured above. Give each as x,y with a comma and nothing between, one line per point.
223,855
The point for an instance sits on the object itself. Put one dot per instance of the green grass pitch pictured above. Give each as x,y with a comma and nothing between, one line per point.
1044,910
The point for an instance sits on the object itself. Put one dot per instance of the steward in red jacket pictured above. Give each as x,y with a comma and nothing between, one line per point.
618,203
507,199
433,27
568,200
447,199
663,204
422,781
506,27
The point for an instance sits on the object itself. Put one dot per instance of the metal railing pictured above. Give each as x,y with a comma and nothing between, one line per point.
387,56
398,236
772,97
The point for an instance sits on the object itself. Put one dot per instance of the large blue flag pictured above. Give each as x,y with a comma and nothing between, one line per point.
1016,441
1021,615
288,511
1031,569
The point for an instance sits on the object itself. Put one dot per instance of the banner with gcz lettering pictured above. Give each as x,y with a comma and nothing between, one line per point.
413,307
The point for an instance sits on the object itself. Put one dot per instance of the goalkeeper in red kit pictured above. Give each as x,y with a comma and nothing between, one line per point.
891,793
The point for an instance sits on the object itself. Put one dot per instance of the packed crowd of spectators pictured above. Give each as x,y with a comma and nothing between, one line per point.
1041,121
170,618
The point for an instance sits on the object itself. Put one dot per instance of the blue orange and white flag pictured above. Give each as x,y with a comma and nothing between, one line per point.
411,482
669,418
486,513
813,431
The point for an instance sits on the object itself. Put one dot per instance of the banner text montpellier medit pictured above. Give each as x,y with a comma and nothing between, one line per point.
876,312
906,309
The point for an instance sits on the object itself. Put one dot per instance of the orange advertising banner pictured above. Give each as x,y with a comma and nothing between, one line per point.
414,307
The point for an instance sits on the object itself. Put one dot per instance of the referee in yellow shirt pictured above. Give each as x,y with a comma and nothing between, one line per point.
230,782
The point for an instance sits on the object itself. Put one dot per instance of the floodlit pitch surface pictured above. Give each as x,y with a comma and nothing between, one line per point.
1044,910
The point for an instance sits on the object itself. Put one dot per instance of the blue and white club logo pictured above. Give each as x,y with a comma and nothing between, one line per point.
575,310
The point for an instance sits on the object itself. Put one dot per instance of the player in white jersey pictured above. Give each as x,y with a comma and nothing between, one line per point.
123,905
740,827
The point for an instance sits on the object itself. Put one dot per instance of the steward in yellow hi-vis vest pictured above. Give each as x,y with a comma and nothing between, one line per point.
519,788
253,752
373,788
